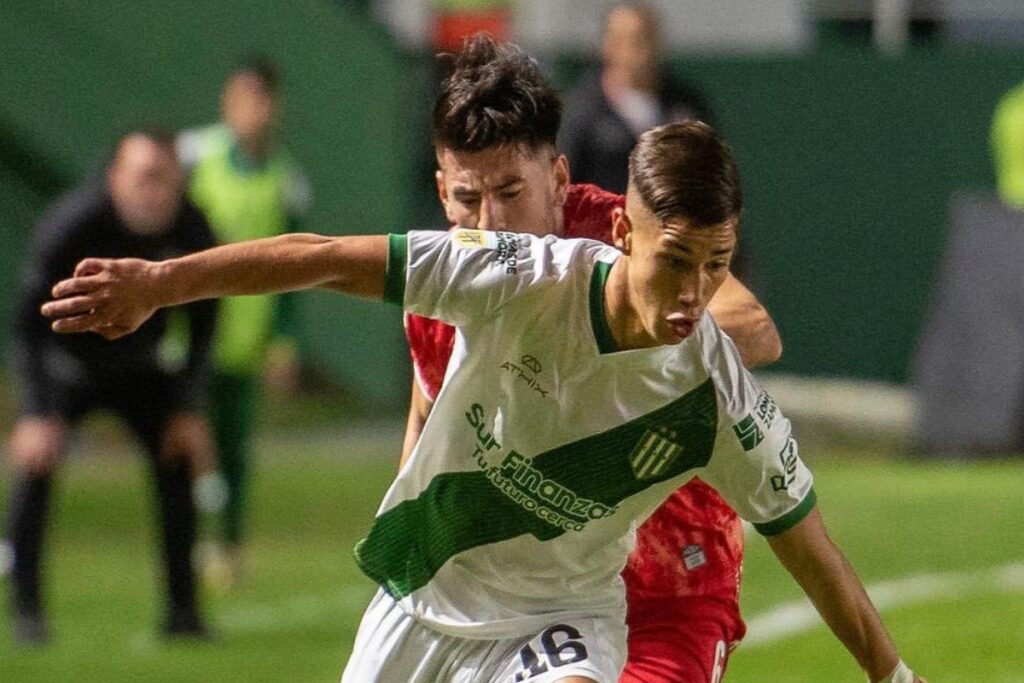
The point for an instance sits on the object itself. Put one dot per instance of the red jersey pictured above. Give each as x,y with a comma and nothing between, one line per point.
693,544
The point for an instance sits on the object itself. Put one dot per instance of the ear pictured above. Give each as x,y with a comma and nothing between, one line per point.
622,230
561,171
442,195
442,189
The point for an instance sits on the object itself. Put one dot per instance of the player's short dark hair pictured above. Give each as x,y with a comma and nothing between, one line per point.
263,68
495,94
686,171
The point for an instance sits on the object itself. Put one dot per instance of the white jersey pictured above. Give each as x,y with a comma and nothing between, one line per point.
546,446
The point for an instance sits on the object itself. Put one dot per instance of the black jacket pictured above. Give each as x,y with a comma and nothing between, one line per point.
84,223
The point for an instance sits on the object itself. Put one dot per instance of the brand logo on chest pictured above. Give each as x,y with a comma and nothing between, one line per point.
526,371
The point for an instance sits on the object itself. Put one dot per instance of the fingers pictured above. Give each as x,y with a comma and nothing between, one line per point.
66,308
88,321
77,323
89,266
76,285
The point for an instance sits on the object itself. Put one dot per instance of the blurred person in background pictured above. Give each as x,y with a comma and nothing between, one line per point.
1007,140
629,94
136,210
248,185
682,580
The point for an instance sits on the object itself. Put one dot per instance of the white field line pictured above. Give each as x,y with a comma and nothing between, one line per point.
295,612
776,624
798,616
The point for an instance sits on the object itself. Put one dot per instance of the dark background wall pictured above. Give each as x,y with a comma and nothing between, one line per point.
848,160
848,157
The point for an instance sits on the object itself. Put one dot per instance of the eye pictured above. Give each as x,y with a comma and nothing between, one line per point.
718,265
509,195
675,262
467,200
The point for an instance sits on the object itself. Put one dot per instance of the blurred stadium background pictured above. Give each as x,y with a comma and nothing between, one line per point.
857,125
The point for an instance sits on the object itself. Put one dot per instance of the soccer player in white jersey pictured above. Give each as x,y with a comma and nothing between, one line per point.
586,385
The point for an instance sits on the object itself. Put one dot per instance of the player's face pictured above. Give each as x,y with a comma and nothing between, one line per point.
674,270
504,188
249,109
146,184
630,42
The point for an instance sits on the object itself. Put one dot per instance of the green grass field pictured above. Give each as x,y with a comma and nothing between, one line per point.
943,545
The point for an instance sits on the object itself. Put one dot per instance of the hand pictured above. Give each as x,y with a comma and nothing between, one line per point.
37,444
187,436
111,297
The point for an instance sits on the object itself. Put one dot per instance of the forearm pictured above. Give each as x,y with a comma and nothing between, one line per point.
738,312
419,409
113,297
834,588
278,264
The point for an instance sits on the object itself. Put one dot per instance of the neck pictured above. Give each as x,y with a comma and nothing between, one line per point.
559,222
620,78
623,322
254,151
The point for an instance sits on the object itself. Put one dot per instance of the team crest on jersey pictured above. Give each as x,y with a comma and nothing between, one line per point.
655,453
748,432
474,239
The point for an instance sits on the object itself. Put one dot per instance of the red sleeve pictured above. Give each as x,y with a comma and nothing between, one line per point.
588,212
430,344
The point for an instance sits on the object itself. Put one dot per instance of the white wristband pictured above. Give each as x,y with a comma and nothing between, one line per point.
901,674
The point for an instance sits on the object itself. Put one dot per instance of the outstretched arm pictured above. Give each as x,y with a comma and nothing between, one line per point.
744,319
832,585
113,297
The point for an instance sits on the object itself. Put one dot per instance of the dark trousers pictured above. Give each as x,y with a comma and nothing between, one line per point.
233,410
146,401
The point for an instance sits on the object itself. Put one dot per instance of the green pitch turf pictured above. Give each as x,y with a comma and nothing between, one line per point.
943,543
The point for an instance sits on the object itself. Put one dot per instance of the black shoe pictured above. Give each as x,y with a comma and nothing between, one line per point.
185,625
30,630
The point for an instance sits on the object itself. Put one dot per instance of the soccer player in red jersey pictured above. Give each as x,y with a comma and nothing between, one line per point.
682,580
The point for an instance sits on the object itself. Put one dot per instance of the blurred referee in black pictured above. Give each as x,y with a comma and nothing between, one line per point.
136,209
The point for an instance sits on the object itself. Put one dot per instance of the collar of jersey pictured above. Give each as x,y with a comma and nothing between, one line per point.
598,319
243,164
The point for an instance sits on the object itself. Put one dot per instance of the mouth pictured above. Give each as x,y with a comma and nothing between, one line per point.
681,326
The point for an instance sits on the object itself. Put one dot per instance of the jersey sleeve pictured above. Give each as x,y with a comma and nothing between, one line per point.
464,275
756,464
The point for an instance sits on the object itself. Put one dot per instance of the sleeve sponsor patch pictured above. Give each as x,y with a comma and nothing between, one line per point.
505,245
474,239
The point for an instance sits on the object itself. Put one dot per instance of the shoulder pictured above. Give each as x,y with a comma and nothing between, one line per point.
195,144
588,212
684,99
736,387
193,228
586,98
298,188
588,88
75,209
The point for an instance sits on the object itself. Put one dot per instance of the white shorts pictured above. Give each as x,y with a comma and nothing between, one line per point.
392,646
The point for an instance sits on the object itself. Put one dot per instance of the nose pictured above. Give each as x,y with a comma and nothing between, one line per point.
491,215
692,287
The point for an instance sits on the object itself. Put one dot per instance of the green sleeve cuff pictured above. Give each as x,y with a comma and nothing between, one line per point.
791,518
394,276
